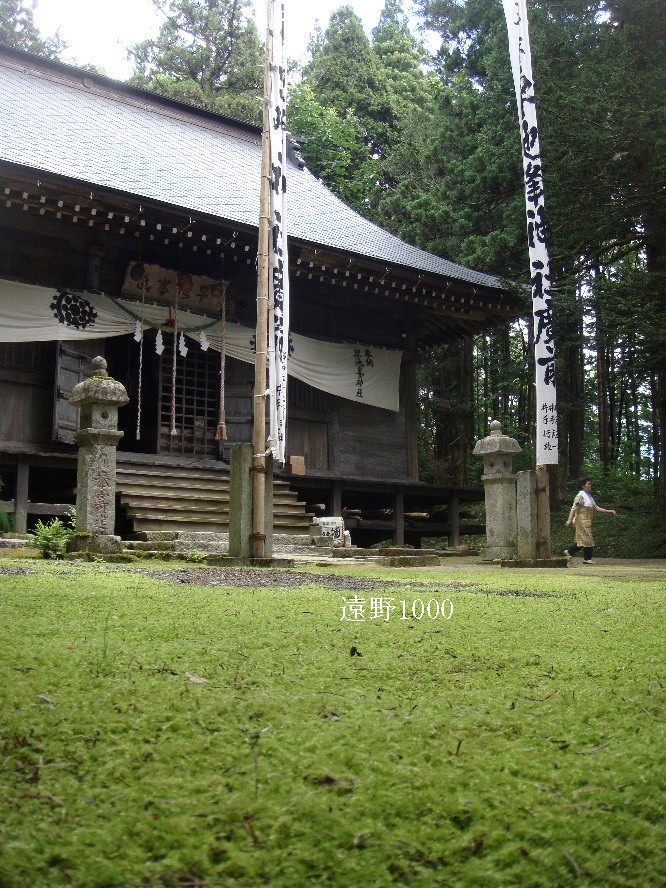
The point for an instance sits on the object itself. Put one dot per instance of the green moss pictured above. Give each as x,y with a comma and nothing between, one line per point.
518,743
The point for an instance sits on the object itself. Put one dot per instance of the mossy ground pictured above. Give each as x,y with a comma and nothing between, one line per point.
519,743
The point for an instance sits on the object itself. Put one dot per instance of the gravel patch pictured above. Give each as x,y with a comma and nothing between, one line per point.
266,578
517,593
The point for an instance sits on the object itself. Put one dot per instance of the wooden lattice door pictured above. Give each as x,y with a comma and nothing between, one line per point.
191,408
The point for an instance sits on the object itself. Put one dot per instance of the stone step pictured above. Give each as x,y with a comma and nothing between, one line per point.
389,552
415,559
195,538
157,535
210,543
206,548
218,544
14,543
193,514
314,551
152,523
167,497
288,539
152,546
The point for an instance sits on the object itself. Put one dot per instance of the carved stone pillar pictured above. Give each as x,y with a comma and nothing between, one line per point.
98,398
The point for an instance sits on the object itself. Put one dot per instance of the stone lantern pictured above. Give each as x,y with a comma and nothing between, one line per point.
497,451
98,398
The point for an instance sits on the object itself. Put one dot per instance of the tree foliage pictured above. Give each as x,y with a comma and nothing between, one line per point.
207,53
599,73
450,180
18,30
335,147
345,74
380,90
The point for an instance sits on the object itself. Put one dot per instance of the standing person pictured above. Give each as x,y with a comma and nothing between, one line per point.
580,516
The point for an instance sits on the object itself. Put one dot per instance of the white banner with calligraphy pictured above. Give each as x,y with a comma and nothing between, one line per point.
542,311
361,373
278,309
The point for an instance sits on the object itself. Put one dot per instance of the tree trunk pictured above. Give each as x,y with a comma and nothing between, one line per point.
571,387
453,412
654,432
602,391
655,243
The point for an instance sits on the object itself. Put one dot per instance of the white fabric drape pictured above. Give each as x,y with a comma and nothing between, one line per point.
40,314
544,343
361,373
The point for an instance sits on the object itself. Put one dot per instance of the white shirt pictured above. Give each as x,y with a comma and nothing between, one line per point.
587,500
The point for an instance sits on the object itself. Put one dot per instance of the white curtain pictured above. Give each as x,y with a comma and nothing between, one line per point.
361,373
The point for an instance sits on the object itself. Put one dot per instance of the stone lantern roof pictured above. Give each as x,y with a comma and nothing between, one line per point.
496,443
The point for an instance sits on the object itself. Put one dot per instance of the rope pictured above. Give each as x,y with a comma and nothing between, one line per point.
174,431
138,409
221,431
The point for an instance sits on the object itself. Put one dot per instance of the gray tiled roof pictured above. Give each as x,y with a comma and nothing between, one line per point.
79,126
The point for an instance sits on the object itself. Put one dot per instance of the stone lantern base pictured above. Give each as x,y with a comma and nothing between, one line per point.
97,543
498,553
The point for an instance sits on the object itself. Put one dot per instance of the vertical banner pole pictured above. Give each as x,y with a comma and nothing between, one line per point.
258,535
542,312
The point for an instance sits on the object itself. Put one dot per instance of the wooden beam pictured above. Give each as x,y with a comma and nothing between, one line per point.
543,513
399,517
258,535
337,499
21,495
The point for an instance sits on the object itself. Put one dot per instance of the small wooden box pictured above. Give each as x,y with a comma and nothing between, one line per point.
295,465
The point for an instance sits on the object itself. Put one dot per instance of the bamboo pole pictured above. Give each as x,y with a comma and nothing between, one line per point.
258,535
543,550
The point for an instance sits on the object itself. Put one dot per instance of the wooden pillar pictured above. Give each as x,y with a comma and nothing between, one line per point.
543,513
399,515
454,520
337,499
411,409
21,495
258,535
93,268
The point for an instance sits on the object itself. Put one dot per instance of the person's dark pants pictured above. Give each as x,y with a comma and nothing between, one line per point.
587,551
